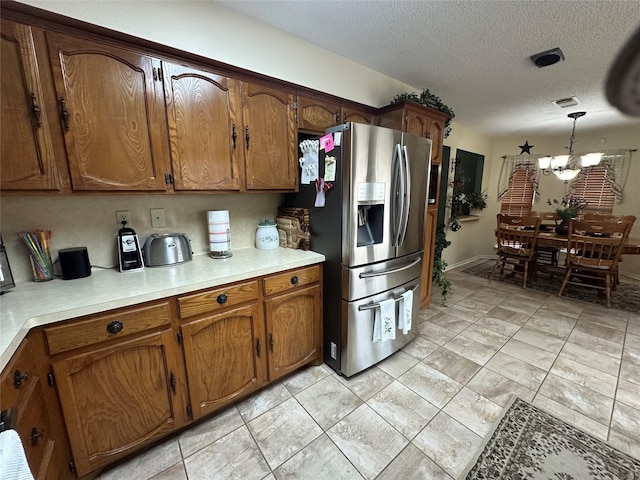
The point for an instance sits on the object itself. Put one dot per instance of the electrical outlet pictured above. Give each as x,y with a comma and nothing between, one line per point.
123,216
157,218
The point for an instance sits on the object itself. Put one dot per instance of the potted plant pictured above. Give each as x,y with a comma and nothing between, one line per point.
565,210
477,202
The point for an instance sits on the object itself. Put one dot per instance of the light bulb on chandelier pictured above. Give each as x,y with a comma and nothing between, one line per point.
567,167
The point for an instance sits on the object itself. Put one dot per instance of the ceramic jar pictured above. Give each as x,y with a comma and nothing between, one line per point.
267,237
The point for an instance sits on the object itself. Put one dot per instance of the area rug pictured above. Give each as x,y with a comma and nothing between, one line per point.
528,443
626,296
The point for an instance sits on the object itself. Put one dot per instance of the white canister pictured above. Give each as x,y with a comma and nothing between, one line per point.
267,237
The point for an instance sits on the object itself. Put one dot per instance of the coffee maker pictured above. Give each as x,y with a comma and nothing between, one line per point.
129,251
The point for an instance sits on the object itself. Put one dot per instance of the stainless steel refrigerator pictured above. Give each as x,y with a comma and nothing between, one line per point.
371,231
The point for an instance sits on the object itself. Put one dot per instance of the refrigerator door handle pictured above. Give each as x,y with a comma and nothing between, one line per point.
390,270
398,194
407,195
371,306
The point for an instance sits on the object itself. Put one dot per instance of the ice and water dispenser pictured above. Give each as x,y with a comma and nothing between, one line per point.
370,201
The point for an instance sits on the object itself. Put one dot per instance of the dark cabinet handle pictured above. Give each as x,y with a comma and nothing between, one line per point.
234,135
271,341
247,137
258,347
172,381
115,327
18,378
34,436
65,115
337,117
294,280
222,298
35,108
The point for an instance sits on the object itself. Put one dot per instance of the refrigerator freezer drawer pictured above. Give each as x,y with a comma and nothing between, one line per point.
360,351
361,282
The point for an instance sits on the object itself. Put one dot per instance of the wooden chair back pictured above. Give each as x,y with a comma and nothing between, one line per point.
517,236
545,216
593,253
596,245
601,217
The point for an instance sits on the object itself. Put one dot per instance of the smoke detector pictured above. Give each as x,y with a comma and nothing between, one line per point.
566,102
549,57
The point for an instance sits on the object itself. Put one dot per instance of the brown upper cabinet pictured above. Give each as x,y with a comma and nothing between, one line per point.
112,113
203,114
357,116
269,137
315,116
418,120
27,159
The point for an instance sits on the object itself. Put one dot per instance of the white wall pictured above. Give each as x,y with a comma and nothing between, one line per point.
471,240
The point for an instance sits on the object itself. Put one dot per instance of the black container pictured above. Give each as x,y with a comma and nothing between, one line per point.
74,263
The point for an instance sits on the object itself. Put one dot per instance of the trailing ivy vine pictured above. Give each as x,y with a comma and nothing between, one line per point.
439,265
430,100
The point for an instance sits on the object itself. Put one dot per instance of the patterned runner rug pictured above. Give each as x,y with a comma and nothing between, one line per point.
528,443
626,296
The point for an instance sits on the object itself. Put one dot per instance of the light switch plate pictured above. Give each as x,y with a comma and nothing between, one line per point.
157,218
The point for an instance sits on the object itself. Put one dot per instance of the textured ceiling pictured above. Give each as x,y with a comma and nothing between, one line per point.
474,54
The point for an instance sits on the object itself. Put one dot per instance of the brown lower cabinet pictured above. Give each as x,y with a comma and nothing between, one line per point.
29,406
128,377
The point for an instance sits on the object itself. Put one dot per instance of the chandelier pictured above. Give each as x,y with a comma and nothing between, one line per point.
567,167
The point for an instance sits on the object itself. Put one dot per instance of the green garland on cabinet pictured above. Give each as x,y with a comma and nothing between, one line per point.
430,100
439,265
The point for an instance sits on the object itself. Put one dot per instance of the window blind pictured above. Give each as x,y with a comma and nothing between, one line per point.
592,186
519,196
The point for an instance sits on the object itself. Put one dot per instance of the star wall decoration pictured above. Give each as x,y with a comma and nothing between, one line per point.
526,148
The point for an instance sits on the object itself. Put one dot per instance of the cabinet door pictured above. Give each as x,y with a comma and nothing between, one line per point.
120,397
350,115
225,357
39,427
269,138
27,156
435,131
112,111
203,128
293,330
316,116
427,259
416,124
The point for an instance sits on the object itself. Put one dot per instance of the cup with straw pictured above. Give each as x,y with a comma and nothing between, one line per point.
37,244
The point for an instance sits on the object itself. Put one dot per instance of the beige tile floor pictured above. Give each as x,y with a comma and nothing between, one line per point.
424,411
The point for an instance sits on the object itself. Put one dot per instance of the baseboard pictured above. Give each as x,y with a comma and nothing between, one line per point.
470,260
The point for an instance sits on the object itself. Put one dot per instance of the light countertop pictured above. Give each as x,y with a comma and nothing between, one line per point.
32,304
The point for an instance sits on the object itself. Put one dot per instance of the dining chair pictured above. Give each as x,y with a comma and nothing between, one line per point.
516,244
602,217
546,255
593,253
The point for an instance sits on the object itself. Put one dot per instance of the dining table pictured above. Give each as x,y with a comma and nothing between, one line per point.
552,239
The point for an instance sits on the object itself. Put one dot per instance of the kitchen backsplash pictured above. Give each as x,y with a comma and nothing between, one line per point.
90,221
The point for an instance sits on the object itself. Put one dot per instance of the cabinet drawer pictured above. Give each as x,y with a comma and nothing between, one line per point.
293,279
103,327
217,299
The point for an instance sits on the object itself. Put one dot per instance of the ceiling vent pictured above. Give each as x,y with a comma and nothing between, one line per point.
566,102
544,59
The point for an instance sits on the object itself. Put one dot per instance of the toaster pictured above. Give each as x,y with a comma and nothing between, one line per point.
162,249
